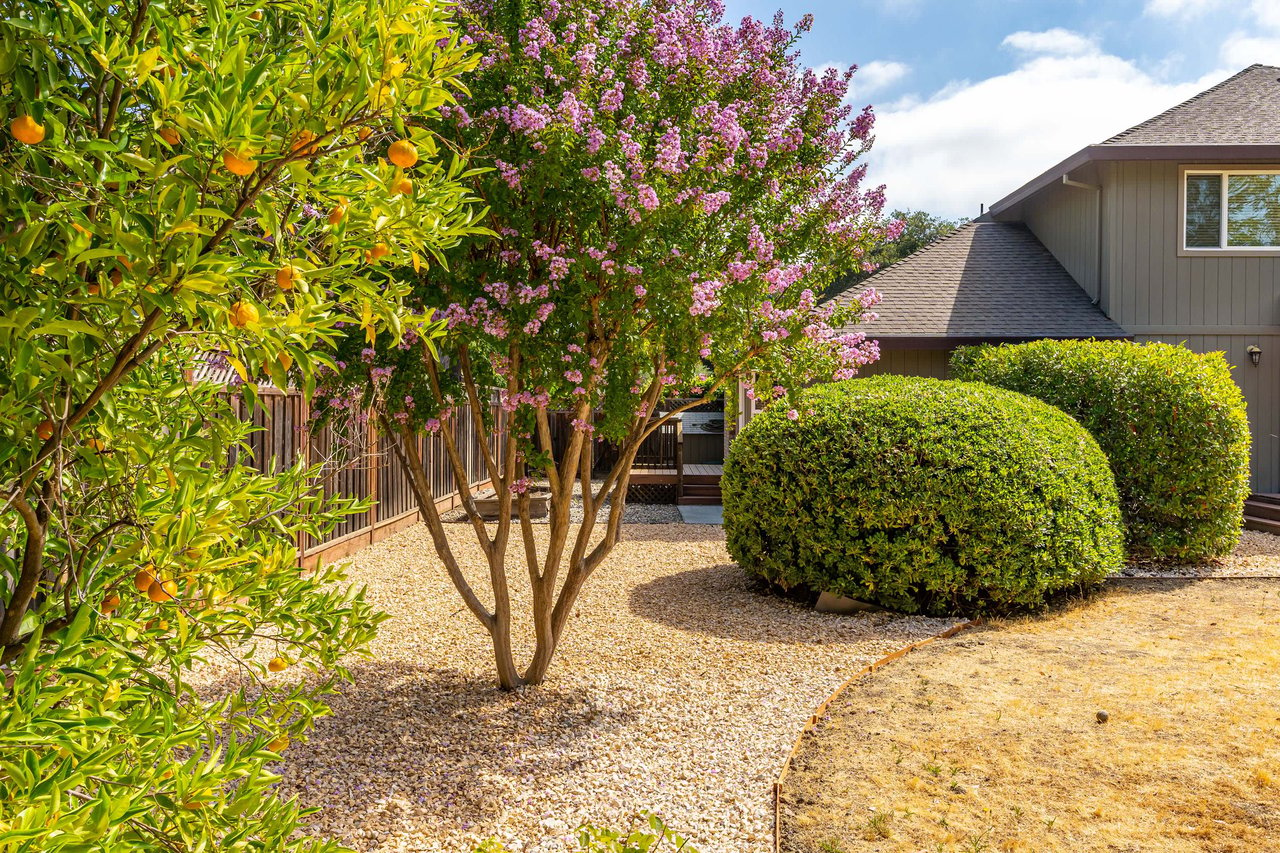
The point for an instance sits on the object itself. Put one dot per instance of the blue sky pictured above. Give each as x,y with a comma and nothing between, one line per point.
975,97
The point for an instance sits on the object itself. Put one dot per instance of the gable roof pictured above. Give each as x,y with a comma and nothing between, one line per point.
1244,109
984,281
1237,120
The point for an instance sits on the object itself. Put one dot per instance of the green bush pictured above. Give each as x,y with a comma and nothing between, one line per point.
922,495
1171,421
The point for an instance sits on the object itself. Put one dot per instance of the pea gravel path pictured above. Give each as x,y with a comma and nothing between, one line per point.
679,688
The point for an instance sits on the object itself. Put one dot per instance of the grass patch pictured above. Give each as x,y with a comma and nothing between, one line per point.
994,740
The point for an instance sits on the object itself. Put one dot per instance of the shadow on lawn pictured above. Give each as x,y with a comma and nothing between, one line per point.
724,601
410,750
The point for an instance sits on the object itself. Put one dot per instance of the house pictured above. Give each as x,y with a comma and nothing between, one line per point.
1169,231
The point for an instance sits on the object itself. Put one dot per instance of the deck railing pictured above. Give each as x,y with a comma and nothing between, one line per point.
662,450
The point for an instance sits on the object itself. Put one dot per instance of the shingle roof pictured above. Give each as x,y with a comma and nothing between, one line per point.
984,280
1242,110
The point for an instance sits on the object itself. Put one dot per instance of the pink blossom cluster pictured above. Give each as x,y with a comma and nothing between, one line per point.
661,174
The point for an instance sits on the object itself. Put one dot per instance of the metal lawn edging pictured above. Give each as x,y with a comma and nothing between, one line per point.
821,710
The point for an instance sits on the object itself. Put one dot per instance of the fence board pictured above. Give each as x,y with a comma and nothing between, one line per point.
362,465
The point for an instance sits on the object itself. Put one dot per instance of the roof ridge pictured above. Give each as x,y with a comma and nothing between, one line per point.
1193,99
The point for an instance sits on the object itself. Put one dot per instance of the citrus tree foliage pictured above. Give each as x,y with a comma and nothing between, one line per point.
104,743
669,194
178,179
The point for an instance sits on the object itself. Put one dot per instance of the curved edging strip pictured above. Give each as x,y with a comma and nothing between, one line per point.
821,710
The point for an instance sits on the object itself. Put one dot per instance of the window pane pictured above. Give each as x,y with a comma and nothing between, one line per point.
1204,211
1253,210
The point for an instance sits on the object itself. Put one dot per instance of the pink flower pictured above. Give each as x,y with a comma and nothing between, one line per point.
647,196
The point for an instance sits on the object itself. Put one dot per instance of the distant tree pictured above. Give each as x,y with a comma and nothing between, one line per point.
919,229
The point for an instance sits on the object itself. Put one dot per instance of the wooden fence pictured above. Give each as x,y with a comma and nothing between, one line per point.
365,466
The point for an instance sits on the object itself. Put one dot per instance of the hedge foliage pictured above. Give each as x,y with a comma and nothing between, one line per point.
1171,421
922,495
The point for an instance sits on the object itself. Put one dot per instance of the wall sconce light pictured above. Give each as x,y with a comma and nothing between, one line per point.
1255,354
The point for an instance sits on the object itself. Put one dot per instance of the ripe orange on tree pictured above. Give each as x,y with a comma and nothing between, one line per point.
402,153
338,213
304,142
161,591
403,186
26,130
44,430
277,664
286,276
144,578
243,313
170,134
110,603
239,162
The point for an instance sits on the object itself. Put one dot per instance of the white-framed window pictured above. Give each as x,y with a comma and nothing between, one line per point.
1230,209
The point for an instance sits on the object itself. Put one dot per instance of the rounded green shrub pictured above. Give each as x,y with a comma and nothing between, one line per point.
1171,421
922,495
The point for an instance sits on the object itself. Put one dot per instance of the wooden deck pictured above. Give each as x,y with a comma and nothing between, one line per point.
699,473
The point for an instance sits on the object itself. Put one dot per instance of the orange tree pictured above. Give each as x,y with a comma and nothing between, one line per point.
178,179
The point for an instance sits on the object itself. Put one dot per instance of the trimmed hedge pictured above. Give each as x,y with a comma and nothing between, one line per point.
922,495
1171,421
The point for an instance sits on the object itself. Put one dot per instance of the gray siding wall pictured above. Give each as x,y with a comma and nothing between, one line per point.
1259,384
1065,220
910,362
1149,289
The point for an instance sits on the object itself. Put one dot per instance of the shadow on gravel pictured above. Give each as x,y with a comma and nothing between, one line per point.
409,747
724,601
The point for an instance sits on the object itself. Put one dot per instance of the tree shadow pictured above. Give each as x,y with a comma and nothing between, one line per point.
725,601
410,749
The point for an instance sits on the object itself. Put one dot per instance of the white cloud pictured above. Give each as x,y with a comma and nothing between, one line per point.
1240,50
1259,41
876,75
1056,41
976,142
1179,8
871,77
1266,13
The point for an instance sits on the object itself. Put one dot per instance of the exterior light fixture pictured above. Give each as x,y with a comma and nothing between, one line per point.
1255,354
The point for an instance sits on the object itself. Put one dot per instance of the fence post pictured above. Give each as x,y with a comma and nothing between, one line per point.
304,424
679,459
373,461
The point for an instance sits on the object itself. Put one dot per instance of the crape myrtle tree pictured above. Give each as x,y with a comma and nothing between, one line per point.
669,193
177,179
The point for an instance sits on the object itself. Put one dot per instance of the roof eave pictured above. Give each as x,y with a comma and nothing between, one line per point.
948,341
1219,153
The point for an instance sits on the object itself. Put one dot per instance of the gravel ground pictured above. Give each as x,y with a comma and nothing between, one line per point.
1258,554
679,688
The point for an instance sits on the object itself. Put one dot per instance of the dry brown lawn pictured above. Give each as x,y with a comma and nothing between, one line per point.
991,741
